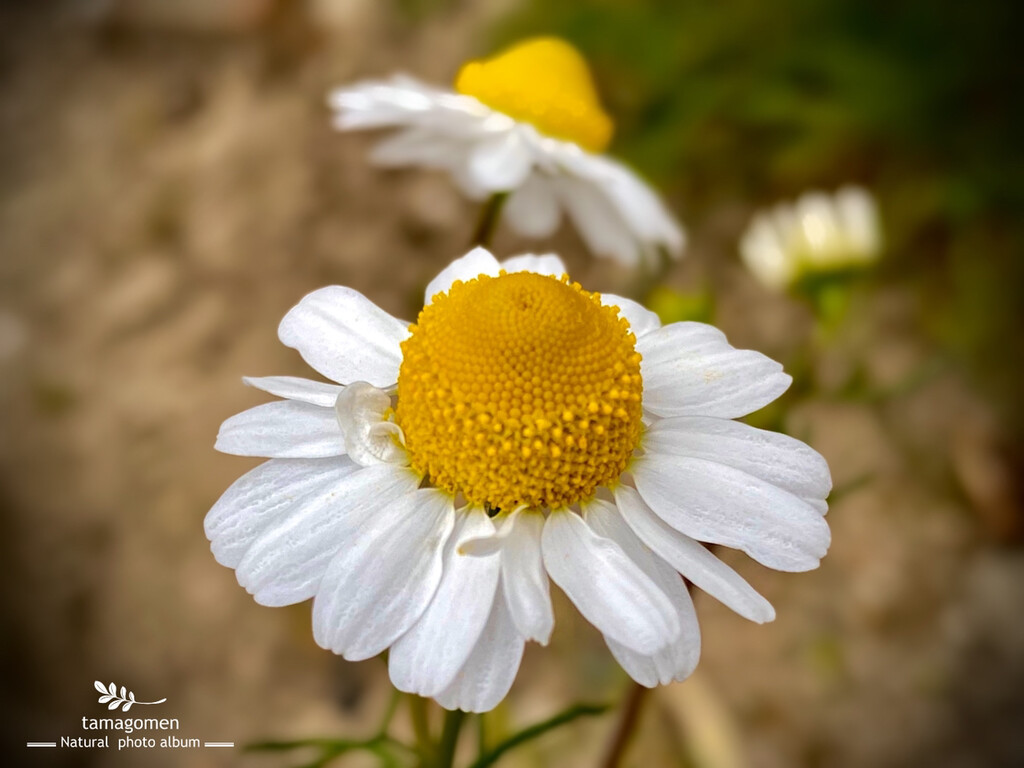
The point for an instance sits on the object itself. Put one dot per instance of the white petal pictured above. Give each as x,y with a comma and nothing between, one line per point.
637,208
369,437
410,146
501,163
599,223
259,497
547,264
858,214
641,320
715,503
284,429
773,457
404,101
478,261
690,369
379,585
819,504
518,542
345,336
524,578
608,588
295,388
677,660
426,659
533,210
376,103
765,253
491,544
819,225
286,562
490,670
690,558
637,204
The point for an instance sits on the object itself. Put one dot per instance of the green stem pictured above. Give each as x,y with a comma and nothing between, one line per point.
627,723
527,734
389,713
449,738
381,744
421,725
488,221
481,735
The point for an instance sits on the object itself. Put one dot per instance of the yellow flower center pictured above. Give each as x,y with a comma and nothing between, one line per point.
520,389
545,82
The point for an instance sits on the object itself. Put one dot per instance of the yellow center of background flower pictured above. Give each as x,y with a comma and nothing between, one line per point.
544,82
520,389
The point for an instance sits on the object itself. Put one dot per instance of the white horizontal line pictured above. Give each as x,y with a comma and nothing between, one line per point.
218,743
41,744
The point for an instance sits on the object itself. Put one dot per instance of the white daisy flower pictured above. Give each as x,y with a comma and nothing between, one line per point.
818,233
527,122
521,430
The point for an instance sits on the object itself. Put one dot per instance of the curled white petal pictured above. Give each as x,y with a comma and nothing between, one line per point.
369,437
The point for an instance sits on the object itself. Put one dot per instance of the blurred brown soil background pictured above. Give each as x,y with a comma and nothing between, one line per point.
170,186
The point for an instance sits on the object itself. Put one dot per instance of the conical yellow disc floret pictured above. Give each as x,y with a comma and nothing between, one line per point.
520,389
545,82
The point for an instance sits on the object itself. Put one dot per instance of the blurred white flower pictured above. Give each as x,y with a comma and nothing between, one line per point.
522,429
817,234
527,122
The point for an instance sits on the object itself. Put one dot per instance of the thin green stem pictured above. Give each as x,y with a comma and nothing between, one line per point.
449,738
627,723
488,221
380,744
481,735
527,734
389,713
421,725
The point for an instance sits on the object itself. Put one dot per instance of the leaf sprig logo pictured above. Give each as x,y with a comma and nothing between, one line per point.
125,699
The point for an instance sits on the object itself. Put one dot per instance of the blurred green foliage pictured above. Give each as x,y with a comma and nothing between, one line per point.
750,102
674,306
